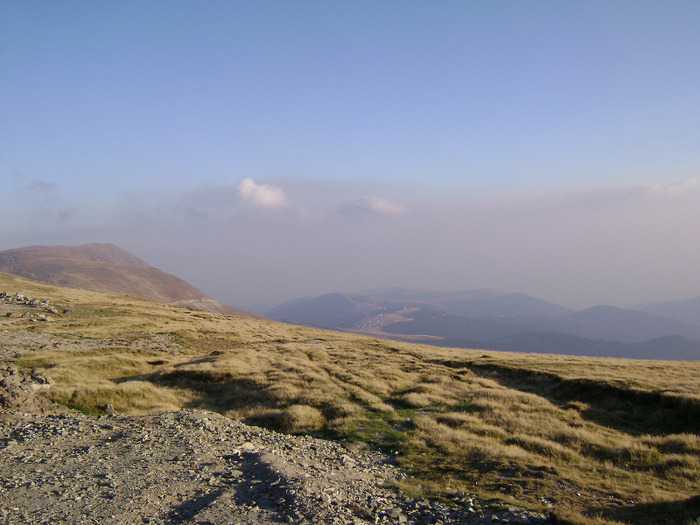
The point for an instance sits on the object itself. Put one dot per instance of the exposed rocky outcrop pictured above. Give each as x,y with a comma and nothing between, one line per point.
17,391
18,306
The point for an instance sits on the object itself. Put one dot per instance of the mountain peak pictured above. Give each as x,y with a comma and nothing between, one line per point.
98,252
106,268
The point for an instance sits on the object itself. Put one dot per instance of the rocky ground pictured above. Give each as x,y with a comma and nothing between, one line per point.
201,468
190,466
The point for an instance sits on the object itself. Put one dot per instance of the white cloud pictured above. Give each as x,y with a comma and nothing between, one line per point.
264,196
384,206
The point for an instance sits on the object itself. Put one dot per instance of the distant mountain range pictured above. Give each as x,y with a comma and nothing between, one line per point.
487,318
107,268
687,311
499,320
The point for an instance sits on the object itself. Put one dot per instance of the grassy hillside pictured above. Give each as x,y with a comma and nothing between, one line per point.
590,440
106,268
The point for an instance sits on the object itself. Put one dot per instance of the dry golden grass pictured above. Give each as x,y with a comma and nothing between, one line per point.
592,440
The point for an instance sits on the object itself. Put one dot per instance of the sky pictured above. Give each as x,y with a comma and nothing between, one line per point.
265,151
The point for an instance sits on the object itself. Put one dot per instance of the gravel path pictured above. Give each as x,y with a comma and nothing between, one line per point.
201,468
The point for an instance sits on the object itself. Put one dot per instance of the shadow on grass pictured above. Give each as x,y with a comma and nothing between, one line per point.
629,410
212,390
682,512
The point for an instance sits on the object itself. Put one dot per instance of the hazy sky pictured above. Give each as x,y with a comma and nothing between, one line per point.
265,151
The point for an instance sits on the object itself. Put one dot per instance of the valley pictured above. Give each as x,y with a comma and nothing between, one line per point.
505,321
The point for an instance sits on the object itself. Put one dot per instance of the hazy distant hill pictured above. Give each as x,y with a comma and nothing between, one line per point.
498,320
106,268
453,327
338,310
432,296
630,326
334,310
511,337
487,302
687,311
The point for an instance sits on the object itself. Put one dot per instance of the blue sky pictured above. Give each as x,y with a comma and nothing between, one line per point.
299,148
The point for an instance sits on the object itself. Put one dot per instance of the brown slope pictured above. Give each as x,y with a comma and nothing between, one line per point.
106,268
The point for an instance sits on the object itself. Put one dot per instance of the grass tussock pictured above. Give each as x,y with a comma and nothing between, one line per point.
590,440
295,419
134,397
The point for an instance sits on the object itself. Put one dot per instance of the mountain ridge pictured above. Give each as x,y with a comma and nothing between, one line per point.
627,325
498,320
687,310
104,267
